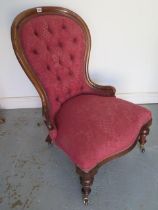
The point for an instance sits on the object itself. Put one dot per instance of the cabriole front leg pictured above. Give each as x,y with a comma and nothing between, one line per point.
86,180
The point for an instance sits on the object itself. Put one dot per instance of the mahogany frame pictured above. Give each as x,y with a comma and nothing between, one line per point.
86,179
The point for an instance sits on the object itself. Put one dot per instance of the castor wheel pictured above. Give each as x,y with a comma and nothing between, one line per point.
142,148
85,201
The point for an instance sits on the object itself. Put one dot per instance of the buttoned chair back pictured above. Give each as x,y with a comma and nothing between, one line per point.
53,46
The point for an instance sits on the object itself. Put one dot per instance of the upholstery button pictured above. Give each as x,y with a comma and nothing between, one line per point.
57,99
72,57
35,51
35,33
81,88
70,73
48,48
48,67
75,40
58,78
64,26
60,44
60,61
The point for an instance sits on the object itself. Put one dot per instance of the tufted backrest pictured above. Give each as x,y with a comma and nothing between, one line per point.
55,46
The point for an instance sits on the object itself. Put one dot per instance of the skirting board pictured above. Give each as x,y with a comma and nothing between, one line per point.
20,102
35,102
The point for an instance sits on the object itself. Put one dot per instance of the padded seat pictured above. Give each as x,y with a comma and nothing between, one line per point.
92,128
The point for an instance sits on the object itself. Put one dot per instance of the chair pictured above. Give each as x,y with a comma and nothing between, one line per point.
84,119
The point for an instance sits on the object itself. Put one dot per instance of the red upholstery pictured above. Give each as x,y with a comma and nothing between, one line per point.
54,46
92,128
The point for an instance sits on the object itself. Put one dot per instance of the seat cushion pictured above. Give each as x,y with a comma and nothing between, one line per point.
92,128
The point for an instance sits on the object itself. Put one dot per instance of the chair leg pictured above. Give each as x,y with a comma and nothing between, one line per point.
86,180
2,120
48,140
142,138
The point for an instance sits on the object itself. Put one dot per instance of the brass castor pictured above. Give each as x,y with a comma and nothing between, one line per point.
142,148
85,201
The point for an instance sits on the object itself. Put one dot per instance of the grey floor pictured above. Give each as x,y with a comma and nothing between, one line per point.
36,176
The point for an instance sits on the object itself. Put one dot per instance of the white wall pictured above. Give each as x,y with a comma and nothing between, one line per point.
124,48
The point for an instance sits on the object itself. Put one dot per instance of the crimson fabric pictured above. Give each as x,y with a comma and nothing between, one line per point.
54,46
92,128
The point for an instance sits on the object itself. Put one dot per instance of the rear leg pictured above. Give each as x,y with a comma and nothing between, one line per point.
142,138
48,140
